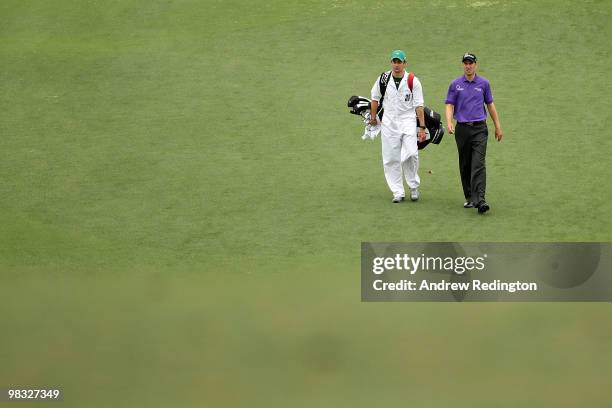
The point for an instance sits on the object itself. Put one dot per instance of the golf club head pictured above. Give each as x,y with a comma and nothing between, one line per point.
358,104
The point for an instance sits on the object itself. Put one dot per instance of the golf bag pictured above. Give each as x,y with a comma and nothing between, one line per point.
435,129
360,105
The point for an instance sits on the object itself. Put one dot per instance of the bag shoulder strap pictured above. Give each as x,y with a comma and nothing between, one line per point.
384,80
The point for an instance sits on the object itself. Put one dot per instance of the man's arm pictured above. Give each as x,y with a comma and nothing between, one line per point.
421,116
376,96
419,102
373,110
450,109
493,112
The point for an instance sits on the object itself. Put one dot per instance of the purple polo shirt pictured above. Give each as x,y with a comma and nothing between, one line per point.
469,98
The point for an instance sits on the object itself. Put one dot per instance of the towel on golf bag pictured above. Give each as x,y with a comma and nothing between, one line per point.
371,131
434,131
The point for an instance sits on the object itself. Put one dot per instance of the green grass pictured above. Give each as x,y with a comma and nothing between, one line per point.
183,196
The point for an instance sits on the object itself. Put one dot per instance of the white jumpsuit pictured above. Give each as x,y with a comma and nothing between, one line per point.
399,133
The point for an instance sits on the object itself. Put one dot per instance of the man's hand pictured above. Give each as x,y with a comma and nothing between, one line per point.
422,135
373,120
450,109
499,134
498,130
451,127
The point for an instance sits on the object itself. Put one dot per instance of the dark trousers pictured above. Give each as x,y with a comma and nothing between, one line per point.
472,148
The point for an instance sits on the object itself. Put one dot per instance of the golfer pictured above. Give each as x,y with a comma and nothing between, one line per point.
466,100
403,101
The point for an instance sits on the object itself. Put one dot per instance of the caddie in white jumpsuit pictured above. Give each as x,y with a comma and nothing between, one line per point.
399,127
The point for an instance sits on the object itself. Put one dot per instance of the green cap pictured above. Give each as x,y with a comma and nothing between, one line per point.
399,54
